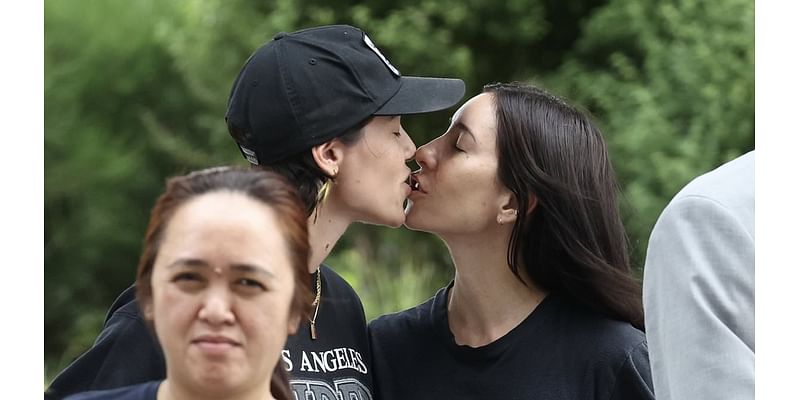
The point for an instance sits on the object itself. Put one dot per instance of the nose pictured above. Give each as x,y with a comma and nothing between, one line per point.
426,156
216,308
408,145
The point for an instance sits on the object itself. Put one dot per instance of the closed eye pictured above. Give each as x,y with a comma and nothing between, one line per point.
455,144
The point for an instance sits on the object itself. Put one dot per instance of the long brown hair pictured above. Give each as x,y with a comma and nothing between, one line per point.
573,242
265,187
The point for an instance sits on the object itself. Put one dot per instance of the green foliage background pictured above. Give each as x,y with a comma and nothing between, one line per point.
135,91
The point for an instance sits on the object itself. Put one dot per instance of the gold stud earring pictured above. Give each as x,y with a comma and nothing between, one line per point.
500,219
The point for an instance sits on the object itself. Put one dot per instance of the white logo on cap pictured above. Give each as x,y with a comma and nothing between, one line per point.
378,52
250,155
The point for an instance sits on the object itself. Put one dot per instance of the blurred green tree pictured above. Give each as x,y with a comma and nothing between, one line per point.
673,85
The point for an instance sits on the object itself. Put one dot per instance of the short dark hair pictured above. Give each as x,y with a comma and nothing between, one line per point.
573,242
302,171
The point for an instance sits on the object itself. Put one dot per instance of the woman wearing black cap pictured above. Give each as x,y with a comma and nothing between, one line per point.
543,304
321,107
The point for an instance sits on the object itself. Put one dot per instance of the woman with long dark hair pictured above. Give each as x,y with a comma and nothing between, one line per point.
543,303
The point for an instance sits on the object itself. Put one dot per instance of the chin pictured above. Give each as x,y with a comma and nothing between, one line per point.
414,222
391,221
394,218
220,384
395,221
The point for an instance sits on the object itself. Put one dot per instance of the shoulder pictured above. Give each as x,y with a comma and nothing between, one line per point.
728,190
142,391
402,323
338,292
340,305
599,336
726,182
707,229
615,351
337,285
124,300
124,314
124,353
125,322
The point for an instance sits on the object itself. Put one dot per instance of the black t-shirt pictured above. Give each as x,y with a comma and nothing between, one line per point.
336,364
560,351
142,391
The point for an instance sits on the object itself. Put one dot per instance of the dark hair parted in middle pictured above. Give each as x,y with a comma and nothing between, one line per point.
265,187
573,241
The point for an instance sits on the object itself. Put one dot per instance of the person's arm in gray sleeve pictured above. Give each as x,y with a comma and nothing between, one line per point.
699,302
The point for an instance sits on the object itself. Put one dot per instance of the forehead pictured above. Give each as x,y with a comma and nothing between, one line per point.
223,220
223,208
478,111
478,114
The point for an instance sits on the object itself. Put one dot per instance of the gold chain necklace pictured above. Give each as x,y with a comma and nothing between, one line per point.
316,302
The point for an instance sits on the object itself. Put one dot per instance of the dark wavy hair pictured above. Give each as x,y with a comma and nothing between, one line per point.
265,187
573,241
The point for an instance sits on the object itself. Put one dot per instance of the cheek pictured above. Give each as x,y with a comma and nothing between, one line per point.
470,184
374,186
269,313
174,313
266,326
463,200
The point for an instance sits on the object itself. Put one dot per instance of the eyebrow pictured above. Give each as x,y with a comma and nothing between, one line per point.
196,263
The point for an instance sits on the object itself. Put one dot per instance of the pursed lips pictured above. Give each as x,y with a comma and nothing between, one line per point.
215,343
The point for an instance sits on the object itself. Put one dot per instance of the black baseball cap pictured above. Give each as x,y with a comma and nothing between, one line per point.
304,88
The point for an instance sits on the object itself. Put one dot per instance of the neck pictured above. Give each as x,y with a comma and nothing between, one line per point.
169,390
487,300
324,231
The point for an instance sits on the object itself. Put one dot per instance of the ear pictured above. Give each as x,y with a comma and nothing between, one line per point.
328,156
508,208
147,311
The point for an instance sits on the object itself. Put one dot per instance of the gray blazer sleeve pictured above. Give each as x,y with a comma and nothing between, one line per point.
699,302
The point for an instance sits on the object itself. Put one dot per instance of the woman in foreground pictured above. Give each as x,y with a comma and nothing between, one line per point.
222,280
543,304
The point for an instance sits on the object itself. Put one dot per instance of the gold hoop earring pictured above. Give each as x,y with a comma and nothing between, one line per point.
326,187
323,192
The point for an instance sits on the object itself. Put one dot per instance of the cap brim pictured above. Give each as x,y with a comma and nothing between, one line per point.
421,95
